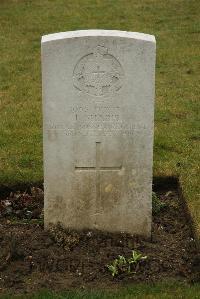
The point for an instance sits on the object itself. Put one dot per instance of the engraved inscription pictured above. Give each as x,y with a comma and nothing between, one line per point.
96,113
98,73
99,129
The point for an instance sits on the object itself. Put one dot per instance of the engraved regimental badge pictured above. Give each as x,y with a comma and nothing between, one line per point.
98,73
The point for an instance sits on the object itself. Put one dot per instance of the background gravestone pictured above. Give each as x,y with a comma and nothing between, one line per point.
98,105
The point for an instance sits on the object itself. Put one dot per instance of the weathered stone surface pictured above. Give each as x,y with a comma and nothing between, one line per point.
98,105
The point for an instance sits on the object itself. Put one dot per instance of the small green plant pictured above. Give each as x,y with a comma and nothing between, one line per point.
157,204
122,265
113,268
136,257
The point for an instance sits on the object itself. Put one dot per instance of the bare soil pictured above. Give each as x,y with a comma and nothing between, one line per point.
32,259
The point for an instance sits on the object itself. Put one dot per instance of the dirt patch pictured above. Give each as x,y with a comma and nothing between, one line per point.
31,258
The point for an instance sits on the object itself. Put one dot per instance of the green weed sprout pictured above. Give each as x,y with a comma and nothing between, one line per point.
123,265
136,257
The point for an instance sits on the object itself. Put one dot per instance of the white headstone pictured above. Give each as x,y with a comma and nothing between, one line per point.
98,105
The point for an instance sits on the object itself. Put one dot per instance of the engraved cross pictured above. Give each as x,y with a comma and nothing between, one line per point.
98,71
98,169
100,79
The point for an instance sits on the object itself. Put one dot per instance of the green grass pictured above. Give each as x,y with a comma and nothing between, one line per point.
159,291
176,25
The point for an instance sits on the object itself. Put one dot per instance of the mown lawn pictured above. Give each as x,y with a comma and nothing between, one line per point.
176,25
159,291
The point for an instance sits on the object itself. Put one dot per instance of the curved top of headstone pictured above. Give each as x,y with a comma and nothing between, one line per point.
96,33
